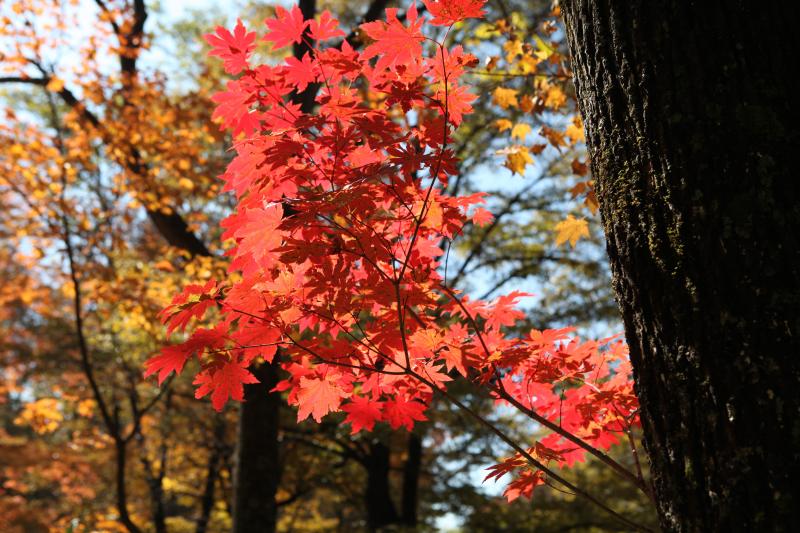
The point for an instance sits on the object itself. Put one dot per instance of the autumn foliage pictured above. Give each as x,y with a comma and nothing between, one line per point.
337,250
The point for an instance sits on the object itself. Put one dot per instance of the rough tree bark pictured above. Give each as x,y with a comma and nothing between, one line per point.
691,117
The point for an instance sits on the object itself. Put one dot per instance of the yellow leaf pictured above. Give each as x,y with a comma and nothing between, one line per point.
513,49
571,230
55,84
17,150
517,158
485,31
543,50
186,183
164,265
505,98
503,124
575,130
43,415
528,63
520,131
85,408
555,97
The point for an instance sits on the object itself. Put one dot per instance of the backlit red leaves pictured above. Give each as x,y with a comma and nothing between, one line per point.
362,413
301,72
172,358
524,485
402,413
223,383
256,231
481,217
286,28
337,245
395,43
234,48
325,27
447,12
318,397
193,302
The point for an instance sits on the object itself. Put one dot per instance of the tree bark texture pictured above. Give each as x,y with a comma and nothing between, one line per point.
258,464
691,117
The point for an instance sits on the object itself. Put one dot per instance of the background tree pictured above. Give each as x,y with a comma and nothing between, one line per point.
691,126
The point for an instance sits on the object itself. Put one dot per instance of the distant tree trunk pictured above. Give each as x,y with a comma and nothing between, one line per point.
258,465
691,113
215,459
377,497
411,471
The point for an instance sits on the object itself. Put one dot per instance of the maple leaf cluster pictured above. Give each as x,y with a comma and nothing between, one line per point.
337,240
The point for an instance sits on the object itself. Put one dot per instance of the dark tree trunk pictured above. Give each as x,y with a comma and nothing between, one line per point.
215,458
411,471
692,120
380,509
258,466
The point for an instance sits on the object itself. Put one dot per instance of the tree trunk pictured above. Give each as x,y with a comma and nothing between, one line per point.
692,127
378,500
215,459
411,471
258,466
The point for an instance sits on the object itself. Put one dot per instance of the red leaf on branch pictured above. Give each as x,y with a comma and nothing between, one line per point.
524,485
400,412
448,12
362,413
324,28
318,397
286,28
481,217
223,383
234,48
395,43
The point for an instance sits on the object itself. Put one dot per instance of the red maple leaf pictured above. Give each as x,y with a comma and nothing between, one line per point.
506,466
173,358
448,12
286,28
256,230
362,413
458,100
325,28
318,397
233,107
301,72
395,43
193,302
223,383
233,48
400,412
481,217
524,485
